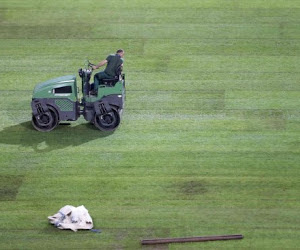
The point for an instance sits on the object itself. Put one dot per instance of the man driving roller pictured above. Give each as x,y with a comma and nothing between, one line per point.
112,62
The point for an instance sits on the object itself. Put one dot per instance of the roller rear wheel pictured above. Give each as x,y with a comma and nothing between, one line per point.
107,122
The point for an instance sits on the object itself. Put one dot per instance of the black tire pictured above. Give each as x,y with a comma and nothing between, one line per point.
46,122
107,122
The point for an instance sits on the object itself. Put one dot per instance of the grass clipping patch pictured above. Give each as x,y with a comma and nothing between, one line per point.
9,186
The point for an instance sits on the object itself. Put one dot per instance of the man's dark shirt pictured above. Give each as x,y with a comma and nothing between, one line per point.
113,62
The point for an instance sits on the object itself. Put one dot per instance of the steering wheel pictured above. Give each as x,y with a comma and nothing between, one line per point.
90,64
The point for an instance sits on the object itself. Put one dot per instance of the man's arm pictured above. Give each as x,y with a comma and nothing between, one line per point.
100,64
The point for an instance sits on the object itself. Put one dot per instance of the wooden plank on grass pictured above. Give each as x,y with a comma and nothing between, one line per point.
191,239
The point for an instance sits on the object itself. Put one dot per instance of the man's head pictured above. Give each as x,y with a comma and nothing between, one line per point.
120,52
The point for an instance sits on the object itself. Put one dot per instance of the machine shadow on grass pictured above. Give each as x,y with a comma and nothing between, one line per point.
63,136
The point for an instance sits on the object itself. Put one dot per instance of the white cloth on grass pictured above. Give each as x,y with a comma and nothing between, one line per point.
74,218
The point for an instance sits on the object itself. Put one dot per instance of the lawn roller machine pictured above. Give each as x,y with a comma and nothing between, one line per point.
58,100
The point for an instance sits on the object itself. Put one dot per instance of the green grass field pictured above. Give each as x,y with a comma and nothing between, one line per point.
209,141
